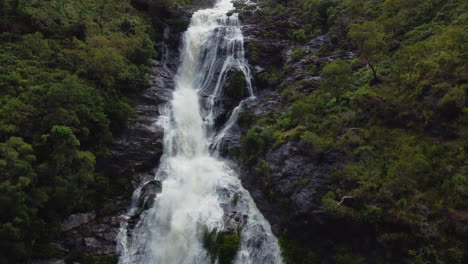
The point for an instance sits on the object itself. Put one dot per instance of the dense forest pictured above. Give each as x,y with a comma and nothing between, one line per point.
68,72
397,111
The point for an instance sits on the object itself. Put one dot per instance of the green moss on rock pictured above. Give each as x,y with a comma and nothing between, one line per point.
236,87
222,245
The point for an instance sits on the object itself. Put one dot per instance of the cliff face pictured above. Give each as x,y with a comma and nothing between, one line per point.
330,150
288,180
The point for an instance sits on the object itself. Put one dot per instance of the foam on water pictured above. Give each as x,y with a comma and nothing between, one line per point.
198,189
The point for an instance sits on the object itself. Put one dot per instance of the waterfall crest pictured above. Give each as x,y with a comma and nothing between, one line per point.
200,192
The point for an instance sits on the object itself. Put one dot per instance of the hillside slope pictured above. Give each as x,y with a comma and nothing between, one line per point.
356,146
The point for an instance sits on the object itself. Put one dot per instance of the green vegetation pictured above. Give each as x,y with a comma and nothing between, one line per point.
253,145
222,245
263,172
298,53
369,41
299,183
254,52
80,257
337,77
68,71
398,113
293,253
345,256
236,87
318,144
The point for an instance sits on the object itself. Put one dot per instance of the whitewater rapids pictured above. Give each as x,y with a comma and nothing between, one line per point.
200,192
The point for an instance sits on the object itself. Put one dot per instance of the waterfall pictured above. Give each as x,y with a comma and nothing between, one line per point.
200,192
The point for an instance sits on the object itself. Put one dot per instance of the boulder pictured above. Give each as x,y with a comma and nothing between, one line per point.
148,194
76,220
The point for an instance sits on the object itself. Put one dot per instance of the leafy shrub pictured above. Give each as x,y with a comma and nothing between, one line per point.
253,52
455,255
245,119
269,78
336,77
299,36
294,253
318,144
222,245
301,112
263,171
236,87
79,256
252,145
298,53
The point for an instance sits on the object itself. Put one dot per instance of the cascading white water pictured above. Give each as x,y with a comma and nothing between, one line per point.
199,192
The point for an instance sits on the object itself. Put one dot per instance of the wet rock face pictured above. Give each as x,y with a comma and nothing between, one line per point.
266,103
231,141
138,150
233,206
235,91
148,194
291,197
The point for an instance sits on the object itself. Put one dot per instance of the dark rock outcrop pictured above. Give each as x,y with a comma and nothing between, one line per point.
140,146
91,233
76,220
148,194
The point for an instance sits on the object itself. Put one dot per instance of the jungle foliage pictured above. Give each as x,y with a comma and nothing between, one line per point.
68,70
398,113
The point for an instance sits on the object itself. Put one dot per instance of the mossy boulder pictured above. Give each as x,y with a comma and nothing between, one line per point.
222,245
236,85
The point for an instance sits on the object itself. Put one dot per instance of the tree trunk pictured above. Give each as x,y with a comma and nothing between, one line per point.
374,72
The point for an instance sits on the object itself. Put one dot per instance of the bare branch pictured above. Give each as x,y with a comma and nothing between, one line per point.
344,197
